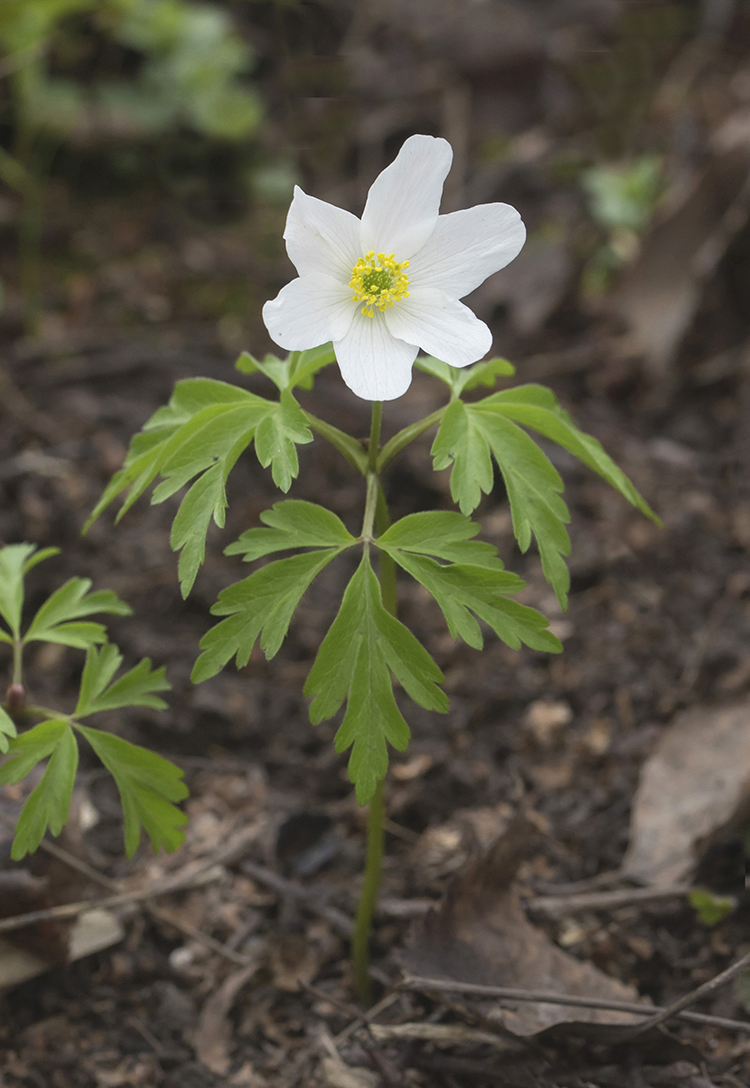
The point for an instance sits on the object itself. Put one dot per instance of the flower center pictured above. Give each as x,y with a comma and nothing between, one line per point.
378,281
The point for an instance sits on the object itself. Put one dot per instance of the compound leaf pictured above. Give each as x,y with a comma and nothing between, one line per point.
49,802
260,605
292,524
148,784
362,648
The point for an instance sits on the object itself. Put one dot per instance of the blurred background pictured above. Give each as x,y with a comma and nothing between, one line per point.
150,147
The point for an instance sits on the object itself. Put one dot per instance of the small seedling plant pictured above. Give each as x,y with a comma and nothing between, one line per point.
148,784
370,294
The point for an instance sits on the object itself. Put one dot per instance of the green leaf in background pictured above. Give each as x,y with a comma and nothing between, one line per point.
29,748
134,688
444,534
52,623
277,437
292,524
148,784
49,802
362,648
7,730
460,380
297,370
261,605
711,909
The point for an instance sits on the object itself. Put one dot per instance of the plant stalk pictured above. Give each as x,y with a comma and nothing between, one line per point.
377,511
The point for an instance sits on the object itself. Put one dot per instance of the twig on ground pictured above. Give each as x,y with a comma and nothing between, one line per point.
416,982
70,910
391,1076
676,1008
457,1034
551,906
556,906
233,848
341,922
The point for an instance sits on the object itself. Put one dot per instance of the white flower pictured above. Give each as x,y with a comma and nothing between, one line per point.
384,286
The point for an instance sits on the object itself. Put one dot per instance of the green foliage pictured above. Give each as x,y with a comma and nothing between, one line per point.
147,783
57,618
624,196
292,524
296,371
461,380
192,70
364,646
7,729
711,909
276,439
201,433
134,688
49,802
261,605
464,587
471,435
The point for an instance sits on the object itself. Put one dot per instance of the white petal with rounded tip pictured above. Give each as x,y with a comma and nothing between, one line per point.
440,325
374,364
468,246
308,312
321,238
402,205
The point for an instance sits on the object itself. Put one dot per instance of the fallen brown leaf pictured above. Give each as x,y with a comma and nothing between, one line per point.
480,934
213,1035
694,787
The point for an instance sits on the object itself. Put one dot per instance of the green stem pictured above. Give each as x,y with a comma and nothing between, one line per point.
374,447
407,435
17,661
347,446
376,513
369,895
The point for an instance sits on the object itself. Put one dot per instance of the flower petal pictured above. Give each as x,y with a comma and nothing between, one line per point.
374,364
440,325
402,205
468,246
308,312
321,238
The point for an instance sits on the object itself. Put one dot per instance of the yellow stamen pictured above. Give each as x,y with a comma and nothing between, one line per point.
378,281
